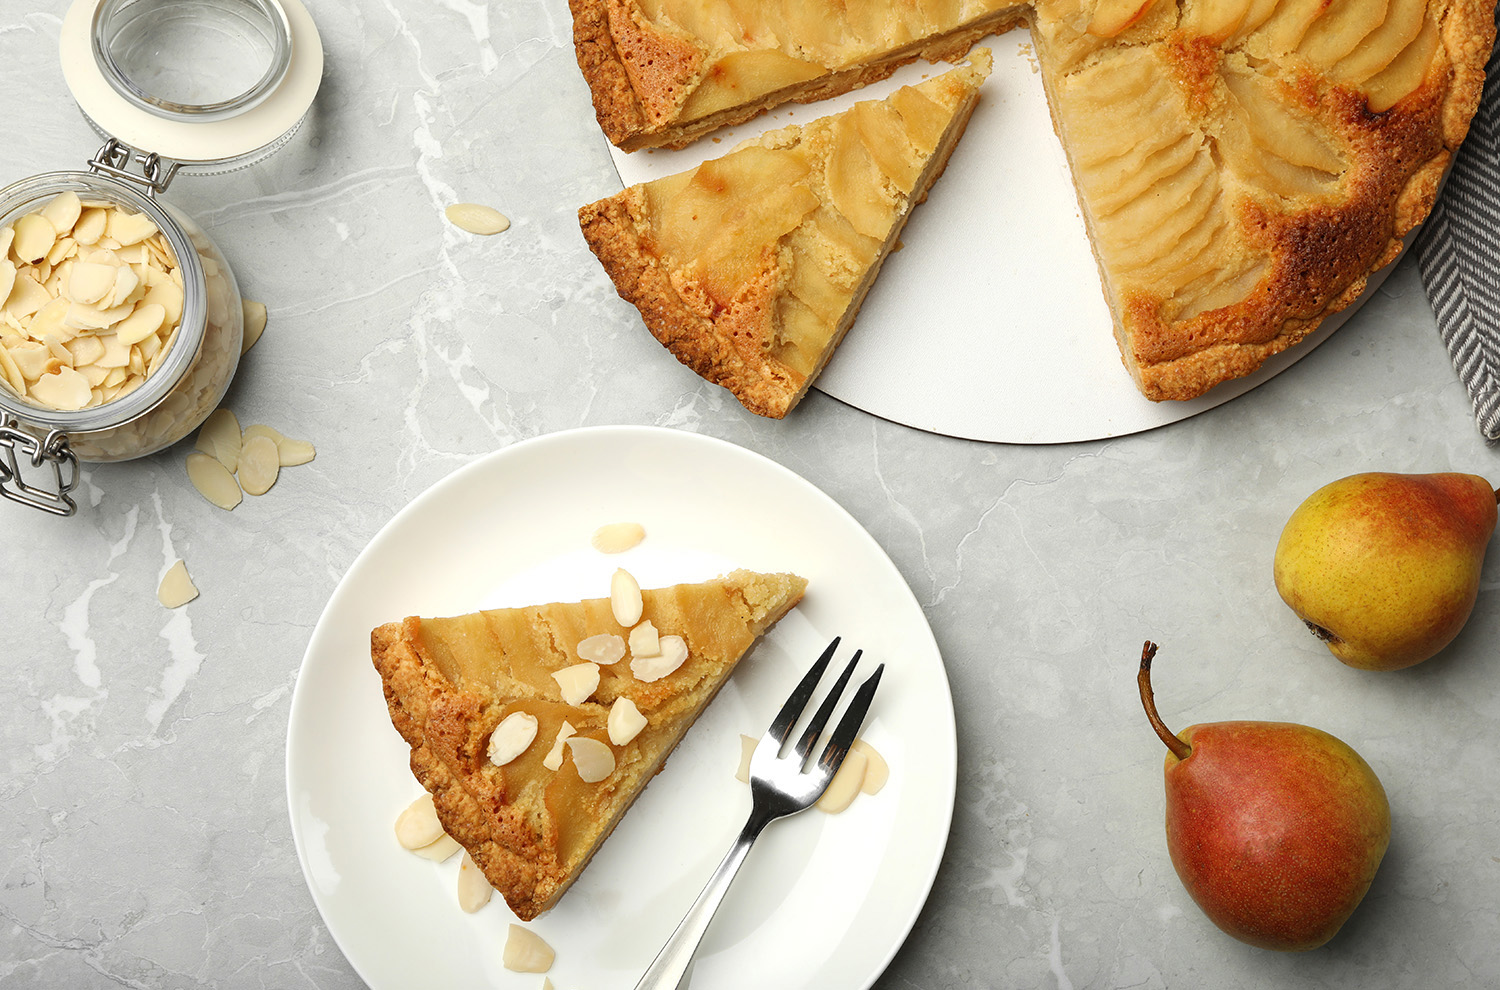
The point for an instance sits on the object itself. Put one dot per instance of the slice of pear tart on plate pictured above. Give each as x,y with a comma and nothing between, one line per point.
532,807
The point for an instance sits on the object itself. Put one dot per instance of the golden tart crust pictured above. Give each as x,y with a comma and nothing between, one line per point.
1243,166
751,268
450,681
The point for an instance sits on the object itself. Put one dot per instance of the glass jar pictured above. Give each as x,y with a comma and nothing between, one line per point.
210,86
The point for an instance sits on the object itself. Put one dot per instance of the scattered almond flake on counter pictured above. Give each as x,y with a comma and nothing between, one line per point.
605,648
526,951
644,641
477,218
418,825
625,598
512,737
845,784
553,759
877,771
473,889
546,984
260,463
440,851
220,438
176,587
577,682
673,652
255,323
592,758
625,721
213,480
293,452
617,537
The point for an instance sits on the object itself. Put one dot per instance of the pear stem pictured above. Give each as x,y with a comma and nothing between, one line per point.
1179,749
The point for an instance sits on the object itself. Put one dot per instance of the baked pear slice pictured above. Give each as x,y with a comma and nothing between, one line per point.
750,268
450,682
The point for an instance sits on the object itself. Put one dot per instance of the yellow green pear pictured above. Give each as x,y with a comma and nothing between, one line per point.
1384,567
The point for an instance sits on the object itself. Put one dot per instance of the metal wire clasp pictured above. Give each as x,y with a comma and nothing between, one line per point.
115,158
52,451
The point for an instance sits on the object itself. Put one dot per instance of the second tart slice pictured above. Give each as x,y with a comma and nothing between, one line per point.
750,268
450,682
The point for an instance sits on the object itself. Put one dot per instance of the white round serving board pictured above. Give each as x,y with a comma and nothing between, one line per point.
989,322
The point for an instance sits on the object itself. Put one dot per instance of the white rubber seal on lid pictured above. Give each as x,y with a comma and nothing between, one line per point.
193,142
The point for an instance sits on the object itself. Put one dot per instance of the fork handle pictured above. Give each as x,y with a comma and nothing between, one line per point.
671,963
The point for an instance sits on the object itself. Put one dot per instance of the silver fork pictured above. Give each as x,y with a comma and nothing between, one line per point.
779,786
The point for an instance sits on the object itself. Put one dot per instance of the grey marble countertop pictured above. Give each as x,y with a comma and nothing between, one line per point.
145,832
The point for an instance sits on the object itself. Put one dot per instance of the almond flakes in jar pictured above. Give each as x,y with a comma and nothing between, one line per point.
121,326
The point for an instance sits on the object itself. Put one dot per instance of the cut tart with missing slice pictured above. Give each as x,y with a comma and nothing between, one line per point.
750,268
1243,166
450,682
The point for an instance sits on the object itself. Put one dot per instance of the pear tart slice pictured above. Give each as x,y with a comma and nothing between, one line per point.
449,682
750,268
664,72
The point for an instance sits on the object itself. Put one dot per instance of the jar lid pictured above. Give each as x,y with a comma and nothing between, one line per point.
238,84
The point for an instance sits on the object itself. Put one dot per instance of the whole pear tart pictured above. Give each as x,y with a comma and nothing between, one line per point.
1242,166
450,682
750,268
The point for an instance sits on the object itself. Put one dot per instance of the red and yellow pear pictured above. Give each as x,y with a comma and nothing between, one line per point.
1275,829
1384,568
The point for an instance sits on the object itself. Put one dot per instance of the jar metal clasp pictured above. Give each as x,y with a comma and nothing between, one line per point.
53,452
116,157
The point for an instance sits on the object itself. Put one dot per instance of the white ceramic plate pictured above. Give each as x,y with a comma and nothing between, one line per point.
824,901
990,322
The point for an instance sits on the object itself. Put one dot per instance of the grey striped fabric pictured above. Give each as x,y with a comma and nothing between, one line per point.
1458,252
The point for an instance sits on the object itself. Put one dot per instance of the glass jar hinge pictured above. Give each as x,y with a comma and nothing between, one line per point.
115,159
54,452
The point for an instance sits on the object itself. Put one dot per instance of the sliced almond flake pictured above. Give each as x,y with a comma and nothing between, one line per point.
7,238
144,322
128,228
476,218
577,682
474,889
219,437
418,824
674,652
593,759
877,771
176,587
553,759
7,279
10,372
512,737
845,785
96,374
260,463
31,359
90,225
51,318
65,389
604,648
126,282
82,316
747,752
255,323
62,249
62,211
625,721
293,452
644,641
35,236
440,851
617,537
26,296
213,481
526,952
625,598
116,354
59,351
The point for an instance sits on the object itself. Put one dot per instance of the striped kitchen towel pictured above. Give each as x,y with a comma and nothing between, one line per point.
1458,252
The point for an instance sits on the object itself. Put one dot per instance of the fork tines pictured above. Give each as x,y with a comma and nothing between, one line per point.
848,726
